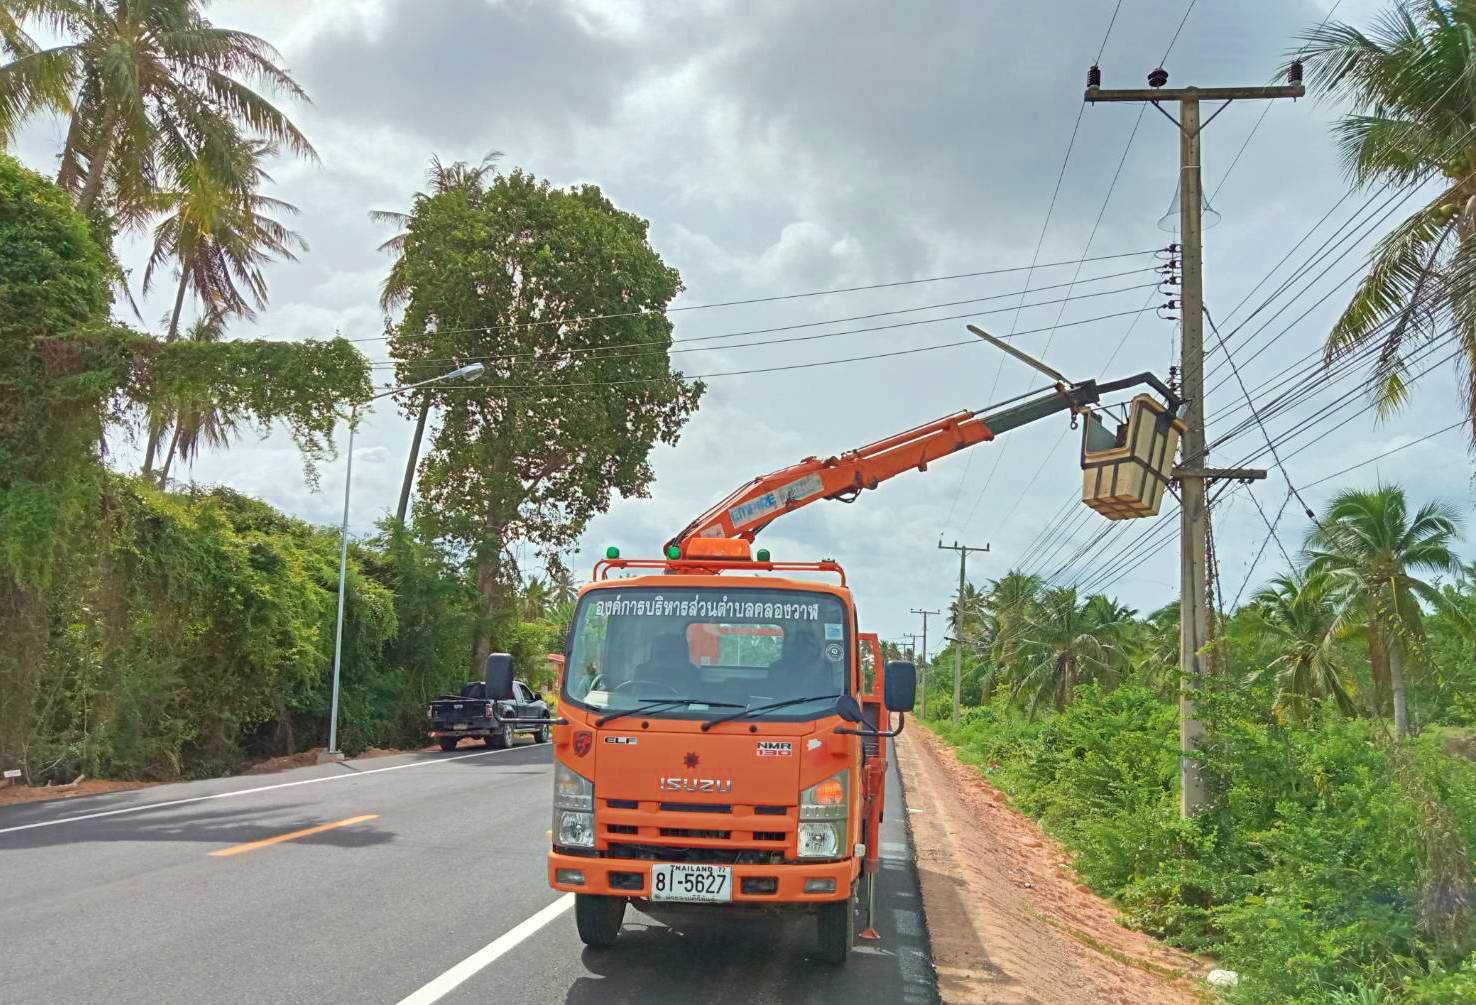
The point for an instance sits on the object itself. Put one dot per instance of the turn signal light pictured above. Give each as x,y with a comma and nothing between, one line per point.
829,793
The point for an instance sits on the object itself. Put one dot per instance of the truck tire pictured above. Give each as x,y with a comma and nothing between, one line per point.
543,735
598,919
836,928
502,739
448,742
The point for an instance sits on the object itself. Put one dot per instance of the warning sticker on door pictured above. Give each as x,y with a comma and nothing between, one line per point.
775,748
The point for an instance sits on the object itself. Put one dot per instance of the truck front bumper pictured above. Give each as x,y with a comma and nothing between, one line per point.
628,877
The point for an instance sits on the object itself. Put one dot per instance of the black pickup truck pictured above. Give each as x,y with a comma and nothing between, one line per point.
492,710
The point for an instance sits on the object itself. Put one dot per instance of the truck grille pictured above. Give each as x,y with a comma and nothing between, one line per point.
684,832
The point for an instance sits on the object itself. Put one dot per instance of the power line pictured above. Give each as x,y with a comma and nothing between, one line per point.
600,353
1092,236
1182,21
1378,457
582,318
768,369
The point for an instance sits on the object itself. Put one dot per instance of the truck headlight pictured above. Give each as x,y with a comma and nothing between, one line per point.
574,829
573,814
824,810
820,839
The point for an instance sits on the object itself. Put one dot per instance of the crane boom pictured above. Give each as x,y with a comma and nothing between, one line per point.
751,508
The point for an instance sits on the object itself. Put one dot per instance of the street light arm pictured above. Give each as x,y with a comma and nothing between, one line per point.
470,370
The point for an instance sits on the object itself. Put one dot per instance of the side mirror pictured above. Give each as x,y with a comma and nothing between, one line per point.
848,708
901,689
499,675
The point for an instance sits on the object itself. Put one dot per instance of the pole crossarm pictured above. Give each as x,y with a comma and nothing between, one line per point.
1096,94
1228,474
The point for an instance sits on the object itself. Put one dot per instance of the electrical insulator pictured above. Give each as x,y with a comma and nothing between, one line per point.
1094,76
1294,72
1158,77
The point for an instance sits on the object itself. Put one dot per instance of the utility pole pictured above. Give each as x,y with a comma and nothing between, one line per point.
1192,473
923,713
963,561
911,638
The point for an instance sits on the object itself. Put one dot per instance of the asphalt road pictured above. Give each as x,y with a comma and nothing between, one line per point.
431,888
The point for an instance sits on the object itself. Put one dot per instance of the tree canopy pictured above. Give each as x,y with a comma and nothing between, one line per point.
562,297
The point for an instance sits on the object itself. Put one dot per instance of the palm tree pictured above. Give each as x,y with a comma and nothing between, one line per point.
218,234
1369,548
1068,643
1301,614
459,177
1007,609
534,599
144,84
1409,82
202,422
1153,650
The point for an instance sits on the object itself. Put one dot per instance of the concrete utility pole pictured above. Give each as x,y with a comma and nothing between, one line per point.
963,561
1192,474
923,712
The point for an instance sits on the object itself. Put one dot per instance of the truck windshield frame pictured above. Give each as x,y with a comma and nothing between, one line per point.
735,646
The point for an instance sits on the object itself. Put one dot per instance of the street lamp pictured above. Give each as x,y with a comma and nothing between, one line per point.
471,370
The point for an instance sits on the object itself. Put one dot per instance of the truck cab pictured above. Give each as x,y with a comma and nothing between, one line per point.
714,742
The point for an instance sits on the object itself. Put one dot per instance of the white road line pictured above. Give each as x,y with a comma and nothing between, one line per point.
458,975
247,792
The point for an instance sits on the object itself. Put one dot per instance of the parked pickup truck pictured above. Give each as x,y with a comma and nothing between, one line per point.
492,710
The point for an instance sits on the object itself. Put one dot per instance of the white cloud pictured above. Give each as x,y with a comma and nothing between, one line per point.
779,147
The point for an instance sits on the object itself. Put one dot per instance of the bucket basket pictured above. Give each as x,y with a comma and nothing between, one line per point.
1124,473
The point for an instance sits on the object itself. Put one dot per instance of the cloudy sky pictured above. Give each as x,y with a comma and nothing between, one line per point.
786,147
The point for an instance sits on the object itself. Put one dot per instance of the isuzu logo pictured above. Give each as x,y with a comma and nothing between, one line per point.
674,784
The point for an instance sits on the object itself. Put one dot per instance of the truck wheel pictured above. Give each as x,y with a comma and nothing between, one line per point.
448,742
837,929
598,919
542,736
502,739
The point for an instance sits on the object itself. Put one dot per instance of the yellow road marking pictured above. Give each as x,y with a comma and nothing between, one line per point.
293,836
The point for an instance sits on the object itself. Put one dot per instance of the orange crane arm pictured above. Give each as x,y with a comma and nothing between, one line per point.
753,507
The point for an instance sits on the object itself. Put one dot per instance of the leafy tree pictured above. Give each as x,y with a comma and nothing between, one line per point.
561,295
470,181
1408,80
65,369
199,423
1370,549
147,86
1301,613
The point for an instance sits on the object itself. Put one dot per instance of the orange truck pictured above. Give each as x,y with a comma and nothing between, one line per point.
724,720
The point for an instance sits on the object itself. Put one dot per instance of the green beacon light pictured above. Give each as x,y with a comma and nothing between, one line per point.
673,552
612,552
762,555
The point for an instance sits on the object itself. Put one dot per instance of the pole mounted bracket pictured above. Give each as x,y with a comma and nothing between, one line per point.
1227,474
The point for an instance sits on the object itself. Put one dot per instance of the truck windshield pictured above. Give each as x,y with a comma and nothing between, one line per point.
722,649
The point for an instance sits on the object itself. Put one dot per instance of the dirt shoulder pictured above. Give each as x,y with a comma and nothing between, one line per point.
1010,924
13,793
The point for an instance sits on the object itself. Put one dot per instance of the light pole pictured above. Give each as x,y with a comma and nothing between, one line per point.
470,370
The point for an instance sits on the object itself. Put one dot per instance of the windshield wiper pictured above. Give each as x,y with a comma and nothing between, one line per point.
770,707
654,704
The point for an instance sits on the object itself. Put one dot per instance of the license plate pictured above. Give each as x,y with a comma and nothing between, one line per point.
460,725
693,884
